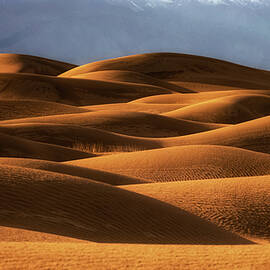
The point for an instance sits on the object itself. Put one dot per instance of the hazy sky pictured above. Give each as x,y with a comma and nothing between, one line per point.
85,30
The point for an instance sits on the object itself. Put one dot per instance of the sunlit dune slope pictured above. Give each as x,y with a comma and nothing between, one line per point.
193,98
241,205
57,167
13,109
71,90
183,163
125,122
228,110
12,146
136,107
80,208
18,63
183,68
131,77
252,135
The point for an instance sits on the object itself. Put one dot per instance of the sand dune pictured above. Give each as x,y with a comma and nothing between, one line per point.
251,135
12,146
72,91
240,205
79,137
131,77
193,98
136,107
183,163
18,63
97,212
228,110
184,68
83,151
100,176
13,109
124,122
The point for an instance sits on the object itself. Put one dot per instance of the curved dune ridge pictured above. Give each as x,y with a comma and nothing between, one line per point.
240,205
227,110
181,67
251,135
97,175
124,122
72,91
12,146
97,212
14,109
19,63
183,163
130,77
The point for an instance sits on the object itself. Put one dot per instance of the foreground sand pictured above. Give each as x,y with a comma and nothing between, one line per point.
155,161
105,256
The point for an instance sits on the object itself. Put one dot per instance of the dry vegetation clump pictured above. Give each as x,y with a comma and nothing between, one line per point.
100,148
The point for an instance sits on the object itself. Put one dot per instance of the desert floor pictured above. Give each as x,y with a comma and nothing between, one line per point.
154,161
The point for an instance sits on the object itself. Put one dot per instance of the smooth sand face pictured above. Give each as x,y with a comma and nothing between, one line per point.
155,161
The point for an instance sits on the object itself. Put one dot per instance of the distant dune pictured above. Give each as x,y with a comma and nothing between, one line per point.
72,91
184,68
251,135
18,63
130,77
124,122
228,110
194,98
13,109
154,161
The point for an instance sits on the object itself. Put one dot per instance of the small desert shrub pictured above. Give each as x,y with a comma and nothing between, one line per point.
101,148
